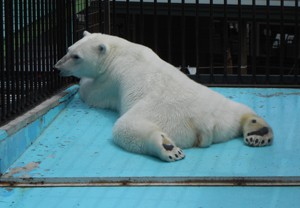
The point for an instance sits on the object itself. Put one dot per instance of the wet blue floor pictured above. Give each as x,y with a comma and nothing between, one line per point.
78,144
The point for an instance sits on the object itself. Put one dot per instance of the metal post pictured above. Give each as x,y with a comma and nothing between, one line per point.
268,49
243,47
297,44
2,72
169,32
183,42
226,49
107,28
197,36
211,41
253,42
9,56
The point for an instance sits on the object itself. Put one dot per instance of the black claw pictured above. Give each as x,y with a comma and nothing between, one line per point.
269,140
176,155
262,142
179,152
253,121
171,157
256,141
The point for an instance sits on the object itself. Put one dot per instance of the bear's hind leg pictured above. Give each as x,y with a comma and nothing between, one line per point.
138,135
256,131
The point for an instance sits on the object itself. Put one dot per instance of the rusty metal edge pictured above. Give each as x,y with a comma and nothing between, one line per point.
148,181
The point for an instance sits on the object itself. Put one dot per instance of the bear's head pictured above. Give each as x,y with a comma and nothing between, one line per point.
86,57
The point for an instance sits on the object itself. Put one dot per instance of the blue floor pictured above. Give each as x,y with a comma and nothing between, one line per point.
78,144
152,197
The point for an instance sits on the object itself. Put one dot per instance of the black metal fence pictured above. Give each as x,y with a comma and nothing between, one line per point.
225,42
217,42
33,35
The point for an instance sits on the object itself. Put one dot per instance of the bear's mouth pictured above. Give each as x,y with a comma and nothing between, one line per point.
64,73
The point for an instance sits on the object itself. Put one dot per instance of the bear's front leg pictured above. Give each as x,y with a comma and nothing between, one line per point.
257,132
141,136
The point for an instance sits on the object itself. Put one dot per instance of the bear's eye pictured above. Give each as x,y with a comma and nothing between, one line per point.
75,56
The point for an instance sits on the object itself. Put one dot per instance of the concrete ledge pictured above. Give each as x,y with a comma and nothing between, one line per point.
20,133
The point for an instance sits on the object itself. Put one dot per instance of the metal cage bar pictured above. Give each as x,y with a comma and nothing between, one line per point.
29,47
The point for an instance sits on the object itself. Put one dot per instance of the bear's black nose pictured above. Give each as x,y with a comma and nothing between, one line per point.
56,66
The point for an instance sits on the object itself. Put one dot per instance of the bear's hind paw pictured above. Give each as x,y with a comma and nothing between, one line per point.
257,133
173,155
169,152
258,140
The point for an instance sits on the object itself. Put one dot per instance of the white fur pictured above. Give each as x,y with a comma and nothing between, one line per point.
157,103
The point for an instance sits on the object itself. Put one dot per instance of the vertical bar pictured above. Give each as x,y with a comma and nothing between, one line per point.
268,44
183,49
253,42
68,23
127,20
74,21
282,41
155,27
27,77
99,14
225,41
61,32
243,47
46,47
107,29
30,53
42,65
297,41
53,42
38,38
2,73
16,70
50,53
58,35
34,43
211,41
22,77
197,36
169,32
240,41
64,38
9,58
86,14
113,21
141,20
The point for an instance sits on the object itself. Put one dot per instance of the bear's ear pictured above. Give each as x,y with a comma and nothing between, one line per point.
85,33
103,48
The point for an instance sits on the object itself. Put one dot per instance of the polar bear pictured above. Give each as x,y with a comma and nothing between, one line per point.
161,110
